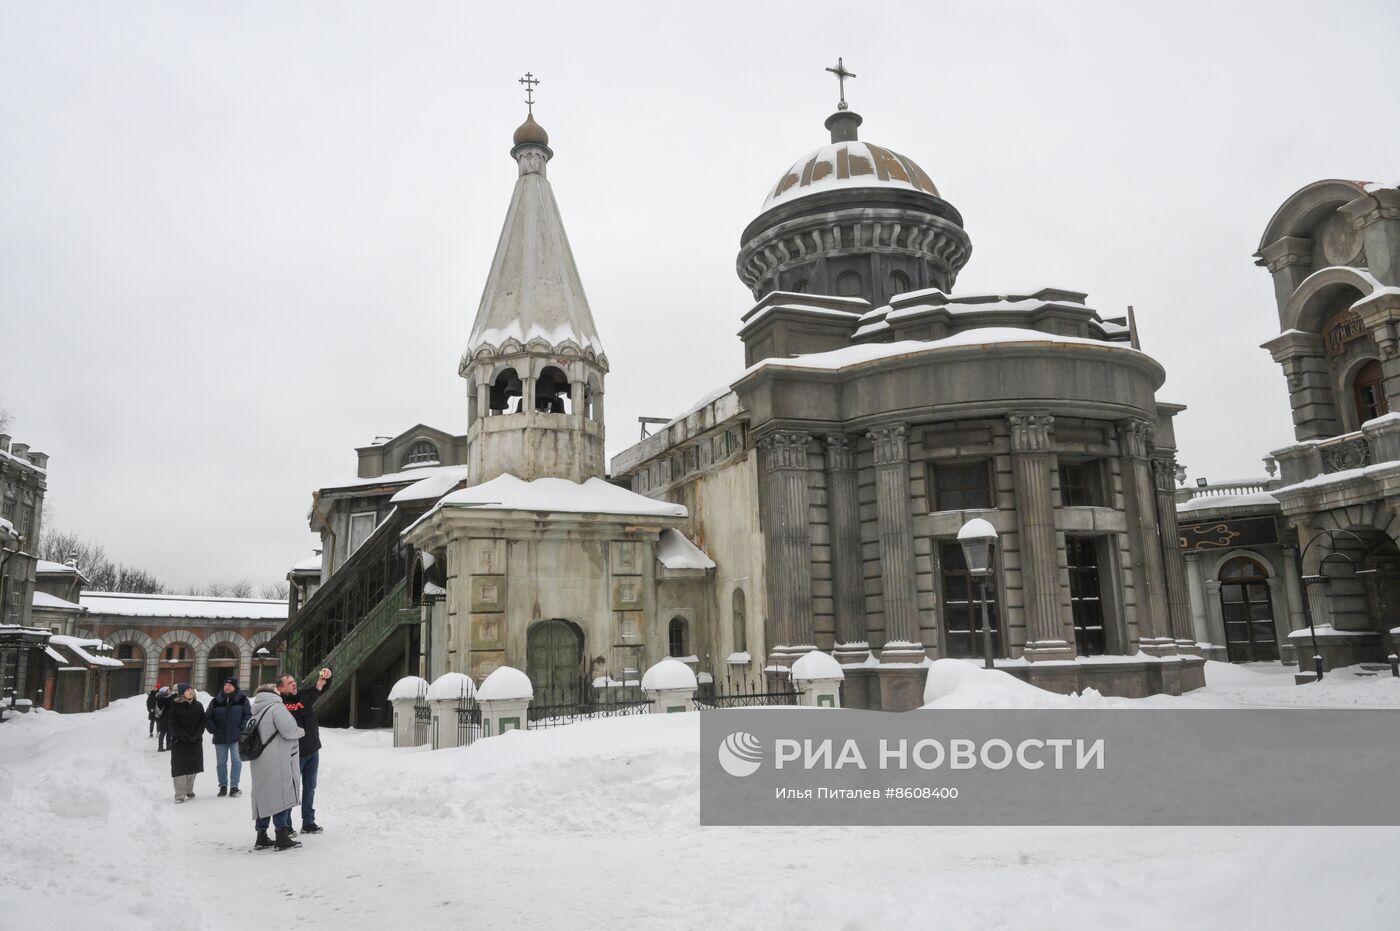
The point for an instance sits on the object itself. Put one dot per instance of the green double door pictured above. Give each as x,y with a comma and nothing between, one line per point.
554,662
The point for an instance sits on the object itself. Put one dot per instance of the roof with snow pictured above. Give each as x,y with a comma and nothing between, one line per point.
533,291
47,567
52,603
558,495
79,647
131,605
847,165
309,564
433,486
410,476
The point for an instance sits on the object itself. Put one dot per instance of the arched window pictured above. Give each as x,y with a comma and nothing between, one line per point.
848,284
741,627
899,283
420,453
552,395
799,286
504,389
1368,392
677,637
1247,611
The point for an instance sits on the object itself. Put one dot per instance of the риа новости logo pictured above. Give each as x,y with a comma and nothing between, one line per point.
741,754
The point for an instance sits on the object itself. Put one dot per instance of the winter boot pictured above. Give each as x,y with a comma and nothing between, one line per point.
263,841
284,839
235,792
223,790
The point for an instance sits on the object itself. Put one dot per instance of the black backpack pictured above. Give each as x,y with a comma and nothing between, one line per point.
250,741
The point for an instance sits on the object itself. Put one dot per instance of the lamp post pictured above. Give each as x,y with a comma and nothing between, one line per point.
1321,579
978,539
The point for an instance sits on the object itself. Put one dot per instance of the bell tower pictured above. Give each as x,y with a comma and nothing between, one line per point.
534,364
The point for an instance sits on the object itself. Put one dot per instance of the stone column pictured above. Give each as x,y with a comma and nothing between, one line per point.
1144,538
1199,618
894,509
1032,462
1178,594
1215,617
1296,619
789,540
843,511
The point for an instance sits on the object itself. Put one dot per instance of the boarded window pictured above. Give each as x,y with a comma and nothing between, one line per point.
361,526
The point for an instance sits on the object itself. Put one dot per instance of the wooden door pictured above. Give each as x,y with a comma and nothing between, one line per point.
554,661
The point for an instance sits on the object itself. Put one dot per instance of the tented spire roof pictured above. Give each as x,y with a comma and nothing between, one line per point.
533,290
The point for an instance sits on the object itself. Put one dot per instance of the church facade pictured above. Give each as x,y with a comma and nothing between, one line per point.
878,414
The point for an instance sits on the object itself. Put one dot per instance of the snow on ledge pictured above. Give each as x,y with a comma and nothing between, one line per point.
669,674
434,486
817,665
505,683
1327,630
739,659
408,687
558,495
675,551
451,685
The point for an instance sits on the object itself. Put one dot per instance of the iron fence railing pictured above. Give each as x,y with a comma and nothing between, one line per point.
422,722
468,720
572,701
744,692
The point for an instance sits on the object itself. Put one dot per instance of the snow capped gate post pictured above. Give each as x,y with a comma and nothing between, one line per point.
445,696
818,678
504,697
405,697
670,685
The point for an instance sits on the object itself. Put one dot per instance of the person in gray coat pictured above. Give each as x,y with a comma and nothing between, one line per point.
276,771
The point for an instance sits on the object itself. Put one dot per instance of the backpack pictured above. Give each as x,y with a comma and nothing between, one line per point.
250,741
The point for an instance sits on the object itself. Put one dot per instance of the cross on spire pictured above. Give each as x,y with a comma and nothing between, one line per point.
841,75
530,81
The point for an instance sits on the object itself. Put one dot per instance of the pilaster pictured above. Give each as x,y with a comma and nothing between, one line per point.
1178,593
894,511
843,510
1032,463
788,539
1144,538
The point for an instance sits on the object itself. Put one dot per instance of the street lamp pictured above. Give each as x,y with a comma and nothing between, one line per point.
978,539
1321,579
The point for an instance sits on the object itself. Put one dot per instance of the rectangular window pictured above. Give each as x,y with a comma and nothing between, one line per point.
1082,484
1085,596
361,526
962,610
962,486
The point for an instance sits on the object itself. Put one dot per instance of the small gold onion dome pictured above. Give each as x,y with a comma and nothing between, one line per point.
531,133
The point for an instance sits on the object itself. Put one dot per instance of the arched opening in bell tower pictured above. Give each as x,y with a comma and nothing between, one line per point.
552,392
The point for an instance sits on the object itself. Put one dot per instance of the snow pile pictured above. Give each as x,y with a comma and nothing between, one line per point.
504,683
817,665
601,808
558,495
408,687
675,551
669,674
451,685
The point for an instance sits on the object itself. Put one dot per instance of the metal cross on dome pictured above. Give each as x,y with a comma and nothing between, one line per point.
529,81
841,75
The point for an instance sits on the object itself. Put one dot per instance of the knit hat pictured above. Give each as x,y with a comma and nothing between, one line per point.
232,681
165,690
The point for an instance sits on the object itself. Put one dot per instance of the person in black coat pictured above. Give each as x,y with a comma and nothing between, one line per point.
163,700
186,720
228,712
152,712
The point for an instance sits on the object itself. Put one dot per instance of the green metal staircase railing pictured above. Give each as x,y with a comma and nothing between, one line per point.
381,623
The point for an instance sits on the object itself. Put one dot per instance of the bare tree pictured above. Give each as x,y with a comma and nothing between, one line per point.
241,589
277,591
103,575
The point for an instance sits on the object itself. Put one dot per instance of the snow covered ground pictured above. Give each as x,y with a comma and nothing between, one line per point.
596,824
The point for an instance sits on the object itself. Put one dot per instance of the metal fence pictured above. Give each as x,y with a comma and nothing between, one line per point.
744,692
468,720
422,722
569,702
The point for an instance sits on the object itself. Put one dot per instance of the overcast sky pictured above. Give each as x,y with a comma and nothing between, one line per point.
238,240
